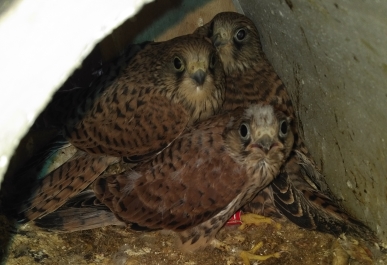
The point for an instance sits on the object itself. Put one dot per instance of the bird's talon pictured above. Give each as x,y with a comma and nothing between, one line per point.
247,256
256,219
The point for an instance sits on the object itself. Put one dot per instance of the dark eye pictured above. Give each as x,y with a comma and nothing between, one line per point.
284,127
212,60
244,131
240,35
178,64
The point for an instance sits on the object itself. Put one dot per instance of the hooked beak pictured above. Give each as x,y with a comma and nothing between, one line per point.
265,143
217,40
199,76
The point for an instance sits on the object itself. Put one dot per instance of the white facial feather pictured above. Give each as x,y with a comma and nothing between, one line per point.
263,115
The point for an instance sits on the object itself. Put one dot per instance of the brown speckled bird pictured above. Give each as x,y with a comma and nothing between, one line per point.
143,103
197,183
300,192
135,109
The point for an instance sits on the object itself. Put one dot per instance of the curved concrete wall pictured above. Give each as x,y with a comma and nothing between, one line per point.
42,42
332,55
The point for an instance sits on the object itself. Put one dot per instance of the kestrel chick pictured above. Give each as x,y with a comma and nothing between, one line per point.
251,79
195,184
143,102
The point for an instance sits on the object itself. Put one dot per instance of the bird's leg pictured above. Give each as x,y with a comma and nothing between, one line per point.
250,255
251,218
204,233
246,256
256,219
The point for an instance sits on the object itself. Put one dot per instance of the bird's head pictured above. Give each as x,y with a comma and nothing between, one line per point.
193,75
236,39
261,138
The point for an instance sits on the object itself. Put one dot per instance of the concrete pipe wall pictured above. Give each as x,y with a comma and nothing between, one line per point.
332,56
42,42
